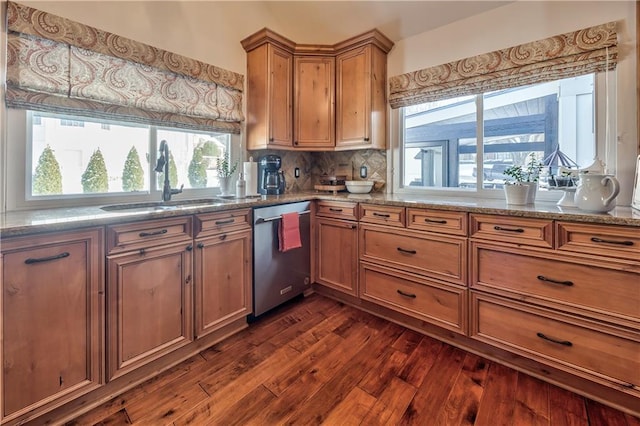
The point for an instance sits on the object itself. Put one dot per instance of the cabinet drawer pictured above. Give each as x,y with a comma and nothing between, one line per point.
607,289
606,240
567,342
385,215
437,221
148,233
227,221
441,257
337,209
434,302
524,231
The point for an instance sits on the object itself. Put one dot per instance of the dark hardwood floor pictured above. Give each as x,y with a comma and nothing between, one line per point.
320,362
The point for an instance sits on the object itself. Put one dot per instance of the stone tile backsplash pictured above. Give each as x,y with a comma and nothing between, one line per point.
314,164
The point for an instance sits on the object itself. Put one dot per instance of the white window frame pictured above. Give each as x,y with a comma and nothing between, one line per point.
605,148
18,156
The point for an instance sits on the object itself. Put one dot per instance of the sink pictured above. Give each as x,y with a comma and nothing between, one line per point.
162,205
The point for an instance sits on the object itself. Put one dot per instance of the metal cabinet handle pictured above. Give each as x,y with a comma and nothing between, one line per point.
224,222
409,295
549,280
366,139
500,228
149,234
189,247
400,249
200,245
32,260
381,214
331,209
559,342
622,243
435,221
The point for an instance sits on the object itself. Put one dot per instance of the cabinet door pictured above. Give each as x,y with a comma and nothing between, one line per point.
361,99
222,279
280,97
52,320
314,102
149,305
269,97
337,254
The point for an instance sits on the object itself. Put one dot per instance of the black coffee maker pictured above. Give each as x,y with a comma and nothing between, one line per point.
271,178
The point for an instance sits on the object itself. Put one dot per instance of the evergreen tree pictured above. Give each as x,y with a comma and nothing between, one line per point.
48,179
95,177
173,174
198,169
132,174
173,171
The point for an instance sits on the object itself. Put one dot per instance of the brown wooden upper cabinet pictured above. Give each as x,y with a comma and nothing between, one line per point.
320,98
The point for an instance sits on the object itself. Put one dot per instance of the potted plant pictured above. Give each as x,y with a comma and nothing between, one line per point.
225,170
522,186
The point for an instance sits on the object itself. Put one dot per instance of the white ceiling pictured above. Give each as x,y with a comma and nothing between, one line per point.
328,22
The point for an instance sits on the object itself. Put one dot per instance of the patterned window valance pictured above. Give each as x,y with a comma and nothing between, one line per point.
566,55
57,65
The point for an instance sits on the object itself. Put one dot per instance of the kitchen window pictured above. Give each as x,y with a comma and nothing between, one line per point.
83,164
464,144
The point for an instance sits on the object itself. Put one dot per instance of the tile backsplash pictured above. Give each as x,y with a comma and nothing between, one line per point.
314,164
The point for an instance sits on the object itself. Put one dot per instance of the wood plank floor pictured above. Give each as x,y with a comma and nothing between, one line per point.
318,361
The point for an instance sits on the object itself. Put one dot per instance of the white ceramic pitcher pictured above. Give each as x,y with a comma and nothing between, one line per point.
595,192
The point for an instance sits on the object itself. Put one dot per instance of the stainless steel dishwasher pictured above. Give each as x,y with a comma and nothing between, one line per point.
279,276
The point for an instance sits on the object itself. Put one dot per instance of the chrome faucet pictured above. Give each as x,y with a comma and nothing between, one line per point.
163,167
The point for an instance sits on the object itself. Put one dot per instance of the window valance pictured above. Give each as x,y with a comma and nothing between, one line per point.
58,65
576,53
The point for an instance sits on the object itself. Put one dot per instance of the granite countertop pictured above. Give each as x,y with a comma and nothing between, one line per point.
36,221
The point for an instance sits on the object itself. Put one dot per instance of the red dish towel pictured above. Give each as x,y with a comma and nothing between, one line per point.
289,232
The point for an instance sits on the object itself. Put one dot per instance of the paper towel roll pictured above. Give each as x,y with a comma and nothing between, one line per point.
251,176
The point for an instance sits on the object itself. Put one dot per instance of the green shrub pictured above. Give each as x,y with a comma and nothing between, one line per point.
198,168
95,177
132,174
48,179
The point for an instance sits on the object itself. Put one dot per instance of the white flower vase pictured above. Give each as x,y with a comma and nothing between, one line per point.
516,194
225,186
533,190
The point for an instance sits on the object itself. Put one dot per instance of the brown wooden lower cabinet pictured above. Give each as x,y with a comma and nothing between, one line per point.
52,320
222,280
337,254
432,301
586,348
149,305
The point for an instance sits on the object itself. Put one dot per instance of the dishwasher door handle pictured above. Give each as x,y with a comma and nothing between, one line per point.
271,219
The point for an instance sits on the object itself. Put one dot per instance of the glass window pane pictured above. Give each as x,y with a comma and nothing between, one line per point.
536,120
193,157
77,156
440,144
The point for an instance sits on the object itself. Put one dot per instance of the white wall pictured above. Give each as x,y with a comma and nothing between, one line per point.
526,21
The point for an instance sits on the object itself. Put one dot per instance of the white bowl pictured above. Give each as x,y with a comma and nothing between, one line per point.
359,186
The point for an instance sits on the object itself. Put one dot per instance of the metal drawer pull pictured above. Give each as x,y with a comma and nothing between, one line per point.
224,222
622,243
149,234
331,209
409,295
500,228
31,260
435,221
549,280
271,219
381,214
400,249
560,342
